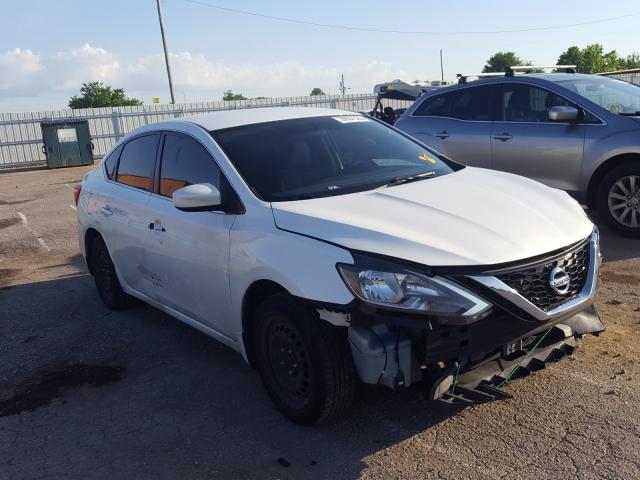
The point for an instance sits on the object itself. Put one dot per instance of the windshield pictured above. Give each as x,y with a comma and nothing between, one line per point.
325,156
614,95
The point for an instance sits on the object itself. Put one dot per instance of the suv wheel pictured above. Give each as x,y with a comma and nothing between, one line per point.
618,199
304,362
104,274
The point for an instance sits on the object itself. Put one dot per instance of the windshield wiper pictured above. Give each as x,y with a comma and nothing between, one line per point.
629,114
410,178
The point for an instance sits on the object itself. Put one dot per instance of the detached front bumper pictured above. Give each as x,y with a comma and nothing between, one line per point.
399,350
482,381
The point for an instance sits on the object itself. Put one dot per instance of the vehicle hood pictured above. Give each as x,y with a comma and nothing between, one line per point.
470,217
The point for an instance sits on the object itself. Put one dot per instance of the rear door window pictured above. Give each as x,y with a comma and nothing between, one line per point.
186,162
137,162
436,106
472,104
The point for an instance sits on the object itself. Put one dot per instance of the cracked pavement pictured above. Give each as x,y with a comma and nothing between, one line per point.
188,407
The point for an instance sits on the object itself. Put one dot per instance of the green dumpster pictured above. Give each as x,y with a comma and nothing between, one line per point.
67,143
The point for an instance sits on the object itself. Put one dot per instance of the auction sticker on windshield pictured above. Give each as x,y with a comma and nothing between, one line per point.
350,118
426,158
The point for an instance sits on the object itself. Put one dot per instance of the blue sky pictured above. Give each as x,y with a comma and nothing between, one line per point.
48,48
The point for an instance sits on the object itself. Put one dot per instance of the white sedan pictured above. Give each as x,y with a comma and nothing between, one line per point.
331,249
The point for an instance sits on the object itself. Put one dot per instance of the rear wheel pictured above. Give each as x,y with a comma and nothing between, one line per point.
618,199
304,362
104,274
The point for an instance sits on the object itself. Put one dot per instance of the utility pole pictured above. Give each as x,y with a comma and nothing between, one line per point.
441,67
343,89
166,52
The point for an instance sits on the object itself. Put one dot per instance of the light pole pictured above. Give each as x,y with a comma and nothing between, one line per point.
166,52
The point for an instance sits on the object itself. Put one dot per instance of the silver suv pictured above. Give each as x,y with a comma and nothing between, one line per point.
575,132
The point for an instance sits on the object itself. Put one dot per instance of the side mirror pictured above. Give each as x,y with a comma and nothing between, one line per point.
200,197
563,114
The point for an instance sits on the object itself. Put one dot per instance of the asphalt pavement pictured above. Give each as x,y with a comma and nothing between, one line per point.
88,393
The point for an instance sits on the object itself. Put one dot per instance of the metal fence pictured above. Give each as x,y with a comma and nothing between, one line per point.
631,76
21,135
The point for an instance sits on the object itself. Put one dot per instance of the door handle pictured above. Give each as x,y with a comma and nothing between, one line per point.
106,211
504,136
443,134
157,226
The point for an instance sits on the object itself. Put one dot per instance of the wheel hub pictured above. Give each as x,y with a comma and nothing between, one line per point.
624,201
290,362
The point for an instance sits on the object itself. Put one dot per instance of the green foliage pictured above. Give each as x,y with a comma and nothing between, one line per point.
317,91
571,56
593,59
229,96
96,94
500,61
632,61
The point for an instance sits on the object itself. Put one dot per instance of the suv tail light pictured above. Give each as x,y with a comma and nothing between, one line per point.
76,193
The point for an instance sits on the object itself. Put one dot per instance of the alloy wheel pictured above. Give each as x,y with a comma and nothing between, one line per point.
624,201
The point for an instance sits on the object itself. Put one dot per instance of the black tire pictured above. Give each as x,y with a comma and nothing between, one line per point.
305,363
104,274
602,198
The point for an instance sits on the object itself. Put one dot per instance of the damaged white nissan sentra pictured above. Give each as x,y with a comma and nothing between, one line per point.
330,249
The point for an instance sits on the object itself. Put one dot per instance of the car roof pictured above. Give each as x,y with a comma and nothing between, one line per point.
538,78
552,77
247,116
559,77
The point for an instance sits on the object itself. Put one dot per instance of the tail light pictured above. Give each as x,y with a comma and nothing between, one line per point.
76,193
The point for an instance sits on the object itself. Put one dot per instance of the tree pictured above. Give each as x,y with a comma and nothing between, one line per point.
229,96
632,61
571,56
97,94
592,59
500,61
317,91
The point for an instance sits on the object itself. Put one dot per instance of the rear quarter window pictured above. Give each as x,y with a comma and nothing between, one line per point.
110,163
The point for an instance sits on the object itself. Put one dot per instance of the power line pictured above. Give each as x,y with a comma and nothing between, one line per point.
407,32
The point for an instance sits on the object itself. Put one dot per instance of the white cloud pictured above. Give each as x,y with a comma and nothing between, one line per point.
18,67
51,80
195,74
73,67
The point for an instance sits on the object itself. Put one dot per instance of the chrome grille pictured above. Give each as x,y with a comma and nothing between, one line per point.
533,282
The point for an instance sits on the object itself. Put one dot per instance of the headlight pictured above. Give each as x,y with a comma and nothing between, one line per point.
390,286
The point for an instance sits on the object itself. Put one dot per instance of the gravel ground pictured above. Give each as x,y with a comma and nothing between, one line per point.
88,393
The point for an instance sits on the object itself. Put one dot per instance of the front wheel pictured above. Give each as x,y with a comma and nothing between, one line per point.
618,199
304,362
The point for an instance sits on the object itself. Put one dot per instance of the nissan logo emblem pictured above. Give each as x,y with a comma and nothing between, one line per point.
559,281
